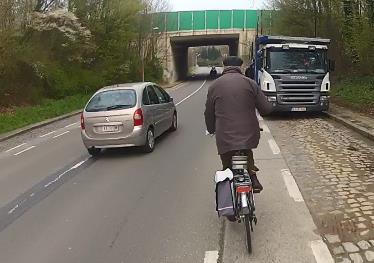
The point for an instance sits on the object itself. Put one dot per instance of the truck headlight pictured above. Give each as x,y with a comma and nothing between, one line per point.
272,98
325,98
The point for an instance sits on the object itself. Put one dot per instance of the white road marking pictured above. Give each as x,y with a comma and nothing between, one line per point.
265,128
293,189
321,252
178,86
11,149
60,134
211,257
67,126
49,133
13,209
259,117
51,182
25,150
274,147
193,93
62,174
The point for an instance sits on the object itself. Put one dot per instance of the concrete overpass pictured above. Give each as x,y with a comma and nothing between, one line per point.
181,30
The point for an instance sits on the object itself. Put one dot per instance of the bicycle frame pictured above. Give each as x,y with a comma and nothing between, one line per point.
244,202
243,191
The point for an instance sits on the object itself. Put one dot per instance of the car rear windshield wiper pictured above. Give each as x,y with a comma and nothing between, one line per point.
95,109
120,106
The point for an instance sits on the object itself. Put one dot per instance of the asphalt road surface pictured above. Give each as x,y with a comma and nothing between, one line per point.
59,205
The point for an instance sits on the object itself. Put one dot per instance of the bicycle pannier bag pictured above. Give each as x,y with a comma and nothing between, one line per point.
224,198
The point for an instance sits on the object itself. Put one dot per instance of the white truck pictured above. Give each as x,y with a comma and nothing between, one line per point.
293,72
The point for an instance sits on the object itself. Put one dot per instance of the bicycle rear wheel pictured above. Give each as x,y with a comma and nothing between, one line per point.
248,233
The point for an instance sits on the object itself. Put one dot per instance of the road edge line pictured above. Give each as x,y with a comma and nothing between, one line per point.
193,93
211,256
321,252
292,187
274,146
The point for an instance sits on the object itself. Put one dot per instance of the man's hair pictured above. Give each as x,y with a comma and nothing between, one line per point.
232,61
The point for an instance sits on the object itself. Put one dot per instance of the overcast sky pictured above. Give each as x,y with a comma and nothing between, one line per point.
184,5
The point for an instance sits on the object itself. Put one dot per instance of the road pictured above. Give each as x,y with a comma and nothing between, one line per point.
60,205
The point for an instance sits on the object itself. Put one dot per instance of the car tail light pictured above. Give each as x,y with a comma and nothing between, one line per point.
138,117
243,189
82,122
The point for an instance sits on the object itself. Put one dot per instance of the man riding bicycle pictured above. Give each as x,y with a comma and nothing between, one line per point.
231,114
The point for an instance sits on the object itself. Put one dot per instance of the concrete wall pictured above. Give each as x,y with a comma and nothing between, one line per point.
173,47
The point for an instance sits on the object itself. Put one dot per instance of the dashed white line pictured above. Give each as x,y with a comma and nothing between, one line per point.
265,128
193,93
49,133
67,126
11,149
321,252
58,135
293,189
273,146
25,150
211,257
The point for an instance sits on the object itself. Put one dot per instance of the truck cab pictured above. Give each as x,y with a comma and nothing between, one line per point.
293,72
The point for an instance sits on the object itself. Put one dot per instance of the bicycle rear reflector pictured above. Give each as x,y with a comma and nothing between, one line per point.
243,189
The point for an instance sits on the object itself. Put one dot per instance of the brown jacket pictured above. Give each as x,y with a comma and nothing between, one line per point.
230,111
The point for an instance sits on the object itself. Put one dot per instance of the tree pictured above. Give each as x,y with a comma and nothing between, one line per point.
56,48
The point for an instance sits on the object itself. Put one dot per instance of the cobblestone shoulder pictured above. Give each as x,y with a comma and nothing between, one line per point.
334,169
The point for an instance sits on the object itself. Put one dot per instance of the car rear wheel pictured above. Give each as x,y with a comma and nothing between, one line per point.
174,124
150,142
94,151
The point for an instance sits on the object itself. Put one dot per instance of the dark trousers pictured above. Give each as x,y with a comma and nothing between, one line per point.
226,159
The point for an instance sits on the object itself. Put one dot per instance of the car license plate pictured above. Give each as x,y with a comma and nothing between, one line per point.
299,109
110,128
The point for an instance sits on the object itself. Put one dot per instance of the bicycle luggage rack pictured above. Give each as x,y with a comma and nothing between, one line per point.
239,162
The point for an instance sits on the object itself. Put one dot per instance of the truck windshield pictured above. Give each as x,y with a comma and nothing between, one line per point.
297,61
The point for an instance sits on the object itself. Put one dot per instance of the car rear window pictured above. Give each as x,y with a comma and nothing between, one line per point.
112,100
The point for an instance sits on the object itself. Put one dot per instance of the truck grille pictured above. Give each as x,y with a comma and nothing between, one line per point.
298,91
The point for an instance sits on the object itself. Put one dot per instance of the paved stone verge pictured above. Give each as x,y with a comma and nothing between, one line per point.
334,169
354,120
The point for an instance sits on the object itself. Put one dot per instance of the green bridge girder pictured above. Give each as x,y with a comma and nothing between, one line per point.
210,20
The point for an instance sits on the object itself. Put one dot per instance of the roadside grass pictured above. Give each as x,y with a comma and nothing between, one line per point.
357,93
18,117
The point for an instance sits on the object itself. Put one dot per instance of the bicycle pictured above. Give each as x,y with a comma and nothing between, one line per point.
244,202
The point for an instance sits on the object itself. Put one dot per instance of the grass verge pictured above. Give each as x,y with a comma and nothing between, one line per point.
18,117
356,93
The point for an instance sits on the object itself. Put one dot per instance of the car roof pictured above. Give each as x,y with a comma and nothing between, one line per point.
135,85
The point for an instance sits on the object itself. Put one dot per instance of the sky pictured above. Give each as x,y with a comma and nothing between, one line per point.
186,5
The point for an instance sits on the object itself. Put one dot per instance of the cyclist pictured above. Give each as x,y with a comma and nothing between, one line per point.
230,113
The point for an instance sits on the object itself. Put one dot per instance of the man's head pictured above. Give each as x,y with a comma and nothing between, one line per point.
232,61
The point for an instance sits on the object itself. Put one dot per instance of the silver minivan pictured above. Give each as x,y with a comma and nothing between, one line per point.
126,115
